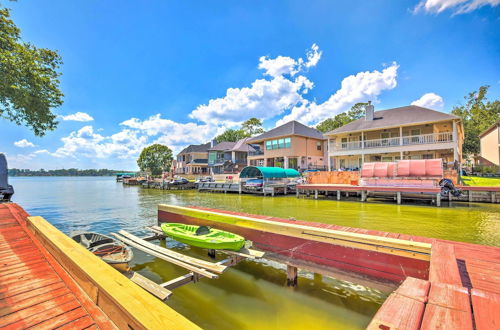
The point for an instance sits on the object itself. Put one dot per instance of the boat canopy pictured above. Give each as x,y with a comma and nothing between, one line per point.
122,174
268,172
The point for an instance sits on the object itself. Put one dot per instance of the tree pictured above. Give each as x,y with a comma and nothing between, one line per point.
357,111
231,135
477,115
29,84
156,159
252,126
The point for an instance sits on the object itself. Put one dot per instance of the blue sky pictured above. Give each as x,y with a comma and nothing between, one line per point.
179,72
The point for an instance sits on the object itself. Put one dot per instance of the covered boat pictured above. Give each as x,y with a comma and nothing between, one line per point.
108,249
203,236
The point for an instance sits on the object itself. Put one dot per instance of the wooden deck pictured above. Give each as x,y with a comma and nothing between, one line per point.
34,290
49,281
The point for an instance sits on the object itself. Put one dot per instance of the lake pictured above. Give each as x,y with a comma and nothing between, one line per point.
251,294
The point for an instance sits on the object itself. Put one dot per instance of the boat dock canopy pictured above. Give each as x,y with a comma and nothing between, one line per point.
268,172
122,174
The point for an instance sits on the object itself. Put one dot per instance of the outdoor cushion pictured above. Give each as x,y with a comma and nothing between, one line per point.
417,167
433,167
380,170
403,168
367,170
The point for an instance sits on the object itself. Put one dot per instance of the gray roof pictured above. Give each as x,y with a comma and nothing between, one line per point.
242,145
223,146
408,115
290,128
196,148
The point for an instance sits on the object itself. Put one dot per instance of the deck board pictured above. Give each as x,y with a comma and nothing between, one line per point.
32,292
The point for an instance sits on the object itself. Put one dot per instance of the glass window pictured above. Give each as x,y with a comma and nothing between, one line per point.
288,142
275,144
318,145
387,159
269,145
281,143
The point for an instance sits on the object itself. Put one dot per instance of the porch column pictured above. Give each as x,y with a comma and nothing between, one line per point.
285,165
233,156
400,155
401,138
454,131
362,140
328,154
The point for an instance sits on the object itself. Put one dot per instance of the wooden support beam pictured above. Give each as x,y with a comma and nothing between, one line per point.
291,275
179,281
470,196
338,195
493,197
398,197
148,285
363,195
438,199
315,194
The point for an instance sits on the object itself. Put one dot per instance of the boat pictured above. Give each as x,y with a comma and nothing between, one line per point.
108,249
203,236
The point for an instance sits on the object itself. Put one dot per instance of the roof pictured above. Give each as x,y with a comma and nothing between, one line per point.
223,146
242,145
196,148
407,115
290,128
489,129
268,172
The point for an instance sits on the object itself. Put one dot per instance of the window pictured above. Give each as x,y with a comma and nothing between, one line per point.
387,159
427,156
318,145
279,144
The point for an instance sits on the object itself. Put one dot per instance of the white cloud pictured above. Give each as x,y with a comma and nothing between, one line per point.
23,143
284,65
430,100
362,87
457,6
79,116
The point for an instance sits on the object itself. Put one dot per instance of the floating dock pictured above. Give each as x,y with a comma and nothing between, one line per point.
49,281
440,284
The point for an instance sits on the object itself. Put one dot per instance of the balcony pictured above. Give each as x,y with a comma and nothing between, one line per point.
393,142
256,153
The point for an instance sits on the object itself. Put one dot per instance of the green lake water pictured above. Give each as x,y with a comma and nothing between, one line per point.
251,294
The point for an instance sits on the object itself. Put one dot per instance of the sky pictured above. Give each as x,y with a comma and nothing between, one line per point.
181,72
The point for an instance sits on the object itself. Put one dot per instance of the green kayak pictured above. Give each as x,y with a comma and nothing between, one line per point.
203,236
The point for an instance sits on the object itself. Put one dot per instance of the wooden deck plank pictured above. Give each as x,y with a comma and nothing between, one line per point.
486,306
81,323
414,288
62,319
20,302
10,301
443,265
398,312
438,317
20,287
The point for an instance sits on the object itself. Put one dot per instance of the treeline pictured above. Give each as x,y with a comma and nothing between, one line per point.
64,172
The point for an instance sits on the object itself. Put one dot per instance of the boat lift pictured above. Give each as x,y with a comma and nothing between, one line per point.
197,268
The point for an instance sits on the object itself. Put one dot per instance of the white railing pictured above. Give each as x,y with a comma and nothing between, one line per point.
394,141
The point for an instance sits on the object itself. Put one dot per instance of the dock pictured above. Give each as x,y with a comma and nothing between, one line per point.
49,281
470,194
439,283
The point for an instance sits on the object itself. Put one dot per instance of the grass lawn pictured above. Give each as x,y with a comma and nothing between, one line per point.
481,181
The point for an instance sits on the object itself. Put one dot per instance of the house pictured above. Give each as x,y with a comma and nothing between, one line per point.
292,145
409,132
193,159
228,157
490,146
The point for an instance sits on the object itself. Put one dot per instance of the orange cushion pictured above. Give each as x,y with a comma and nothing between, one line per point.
403,168
367,170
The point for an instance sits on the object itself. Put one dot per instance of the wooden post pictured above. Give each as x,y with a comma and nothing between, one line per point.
398,197
315,194
470,196
438,199
272,193
363,196
338,195
211,253
286,186
240,187
297,192
493,197
291,275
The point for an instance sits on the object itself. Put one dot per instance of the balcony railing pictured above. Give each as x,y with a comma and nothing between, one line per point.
393,141
256,153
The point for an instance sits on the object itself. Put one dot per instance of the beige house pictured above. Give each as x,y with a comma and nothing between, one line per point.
193,160
409,132
490,145
292,145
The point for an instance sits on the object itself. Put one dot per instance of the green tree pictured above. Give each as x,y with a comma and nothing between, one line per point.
155,159
29,84
357,111
252,126
231,135
477,115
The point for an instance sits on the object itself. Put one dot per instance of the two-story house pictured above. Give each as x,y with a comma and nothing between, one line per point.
409,132
193,160
490,146
228,157
292,145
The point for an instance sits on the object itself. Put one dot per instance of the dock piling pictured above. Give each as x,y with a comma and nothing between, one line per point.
291,275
